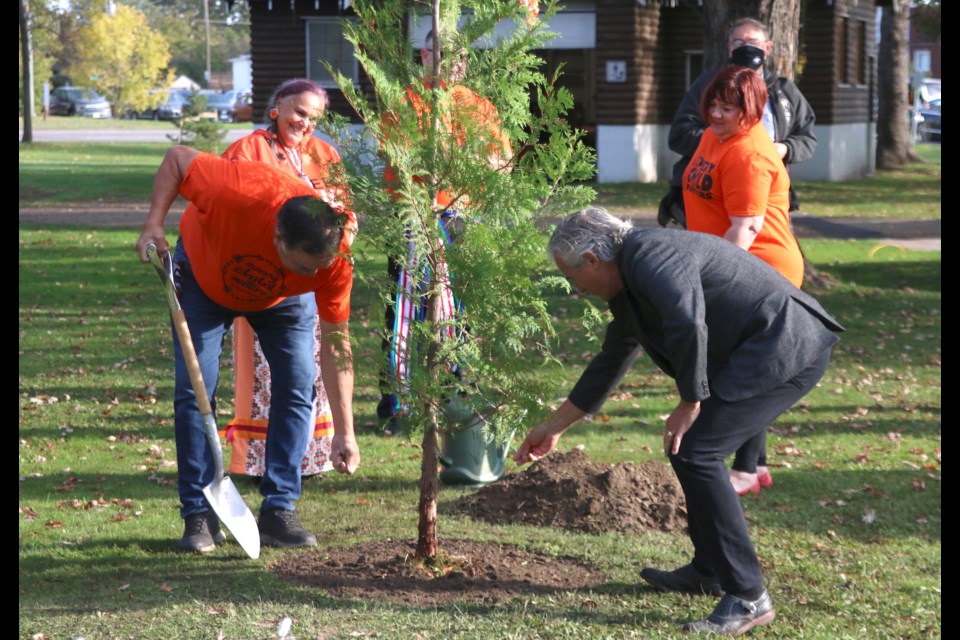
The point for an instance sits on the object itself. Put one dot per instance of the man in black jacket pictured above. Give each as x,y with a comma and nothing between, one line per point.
742,344
787,116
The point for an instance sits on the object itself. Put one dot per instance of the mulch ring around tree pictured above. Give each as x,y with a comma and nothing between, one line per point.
466,571
563,490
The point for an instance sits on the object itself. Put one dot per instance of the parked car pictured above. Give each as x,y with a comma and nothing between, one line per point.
172,109
232,106
79,101
928,121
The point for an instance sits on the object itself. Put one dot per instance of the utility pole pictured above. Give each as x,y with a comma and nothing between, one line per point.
206,25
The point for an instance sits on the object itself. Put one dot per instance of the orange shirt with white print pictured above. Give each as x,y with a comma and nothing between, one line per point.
744,176
228,234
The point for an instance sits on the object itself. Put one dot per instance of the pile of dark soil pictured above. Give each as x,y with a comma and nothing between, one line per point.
569,491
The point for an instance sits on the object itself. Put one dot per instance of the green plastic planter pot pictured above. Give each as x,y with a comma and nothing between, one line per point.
468,456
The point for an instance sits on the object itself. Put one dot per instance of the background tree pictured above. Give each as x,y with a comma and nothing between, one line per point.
123,58
894,138
43,32
782,17
57,22
182,23
926,19
500,251
26,67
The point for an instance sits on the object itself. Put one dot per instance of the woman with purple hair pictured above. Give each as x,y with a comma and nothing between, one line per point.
288,144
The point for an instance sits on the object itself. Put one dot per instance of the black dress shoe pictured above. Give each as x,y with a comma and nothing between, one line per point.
686,579
735,616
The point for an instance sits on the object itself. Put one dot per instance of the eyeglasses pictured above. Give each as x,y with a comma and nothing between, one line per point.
753,43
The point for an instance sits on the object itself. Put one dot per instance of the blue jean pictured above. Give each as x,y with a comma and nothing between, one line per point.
286,336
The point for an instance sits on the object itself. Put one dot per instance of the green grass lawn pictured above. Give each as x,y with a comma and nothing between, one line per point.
910,192
850,536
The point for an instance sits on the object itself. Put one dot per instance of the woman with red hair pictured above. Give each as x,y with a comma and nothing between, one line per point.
737,187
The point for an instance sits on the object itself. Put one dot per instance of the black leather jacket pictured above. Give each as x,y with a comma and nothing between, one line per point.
792,115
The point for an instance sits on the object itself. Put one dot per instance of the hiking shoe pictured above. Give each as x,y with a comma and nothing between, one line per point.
735,616
282,528
686,579
201,533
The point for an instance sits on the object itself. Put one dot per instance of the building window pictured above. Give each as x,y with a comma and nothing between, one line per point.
843,51
860,55
921,61
693,67
326,44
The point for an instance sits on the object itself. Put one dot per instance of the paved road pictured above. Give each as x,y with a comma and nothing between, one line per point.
116,135
922,234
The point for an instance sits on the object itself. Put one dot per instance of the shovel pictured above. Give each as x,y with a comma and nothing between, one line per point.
221,493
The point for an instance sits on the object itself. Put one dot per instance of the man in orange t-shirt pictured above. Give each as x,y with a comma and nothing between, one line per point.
258,243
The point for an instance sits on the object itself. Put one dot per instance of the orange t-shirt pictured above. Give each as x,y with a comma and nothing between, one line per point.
475,115
317,159
228,231
744,176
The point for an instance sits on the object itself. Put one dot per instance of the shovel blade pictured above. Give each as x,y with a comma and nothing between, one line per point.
234,514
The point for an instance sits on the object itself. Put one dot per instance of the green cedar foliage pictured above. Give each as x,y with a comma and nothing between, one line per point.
498,263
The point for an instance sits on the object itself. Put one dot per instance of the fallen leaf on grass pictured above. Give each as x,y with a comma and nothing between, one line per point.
53,524
28,513
869,516
919,484
123,587
165,587
826,502
68,485
363,502
166,482
894,436
120,517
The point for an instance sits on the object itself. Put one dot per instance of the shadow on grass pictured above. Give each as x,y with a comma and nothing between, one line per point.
919,276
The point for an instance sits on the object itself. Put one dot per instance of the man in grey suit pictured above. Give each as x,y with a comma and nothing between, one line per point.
742,344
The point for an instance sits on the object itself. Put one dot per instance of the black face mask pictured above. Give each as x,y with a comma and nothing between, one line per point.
747,56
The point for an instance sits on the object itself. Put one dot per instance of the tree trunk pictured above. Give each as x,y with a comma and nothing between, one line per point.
894,144
26,42
427,542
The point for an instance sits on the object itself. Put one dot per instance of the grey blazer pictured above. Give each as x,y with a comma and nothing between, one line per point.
717,319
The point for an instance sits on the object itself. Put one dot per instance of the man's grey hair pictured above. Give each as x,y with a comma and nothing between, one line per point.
751,22
591,230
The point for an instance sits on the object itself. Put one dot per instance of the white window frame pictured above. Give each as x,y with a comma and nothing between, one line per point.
688,73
